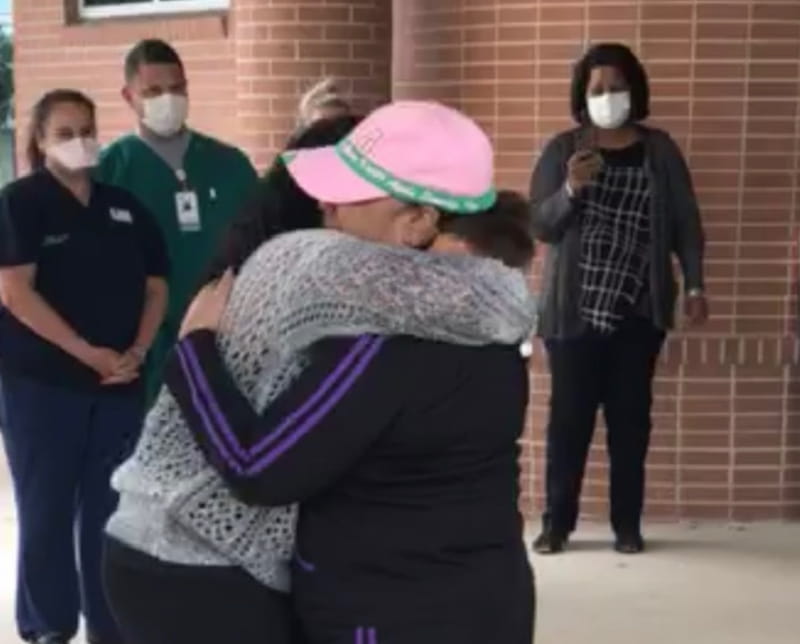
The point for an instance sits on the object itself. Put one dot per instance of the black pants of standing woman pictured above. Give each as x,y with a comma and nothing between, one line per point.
613,372
157,602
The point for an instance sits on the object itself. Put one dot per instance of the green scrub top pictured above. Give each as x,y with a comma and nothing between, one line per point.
223,179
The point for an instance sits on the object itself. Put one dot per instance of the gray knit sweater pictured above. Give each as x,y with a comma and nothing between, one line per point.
295,290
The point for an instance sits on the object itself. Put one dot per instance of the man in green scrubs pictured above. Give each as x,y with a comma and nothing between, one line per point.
193,184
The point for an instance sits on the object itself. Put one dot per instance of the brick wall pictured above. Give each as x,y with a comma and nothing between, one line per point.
247,67
726,84
51,53
284,46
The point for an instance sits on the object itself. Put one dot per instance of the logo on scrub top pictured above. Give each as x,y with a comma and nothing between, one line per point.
121,216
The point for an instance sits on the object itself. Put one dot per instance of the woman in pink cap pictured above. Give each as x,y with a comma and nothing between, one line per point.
401,451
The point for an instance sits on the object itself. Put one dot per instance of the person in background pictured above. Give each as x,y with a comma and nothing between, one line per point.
614,201
82,281
323,100
193,184
277,205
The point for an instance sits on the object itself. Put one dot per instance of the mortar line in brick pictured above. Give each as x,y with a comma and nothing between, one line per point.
679,439
784,441
538,79
497,62
586,37
731,441
793,272
639,19
692,75
736,273
743,150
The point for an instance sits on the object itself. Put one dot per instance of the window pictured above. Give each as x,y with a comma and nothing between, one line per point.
112,8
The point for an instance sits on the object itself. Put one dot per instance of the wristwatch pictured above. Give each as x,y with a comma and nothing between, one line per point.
695,292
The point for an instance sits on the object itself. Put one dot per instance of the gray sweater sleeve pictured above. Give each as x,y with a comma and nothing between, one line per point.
689,235
553,211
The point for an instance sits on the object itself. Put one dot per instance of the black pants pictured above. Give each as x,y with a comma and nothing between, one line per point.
616,372
160,603
490,598
62,446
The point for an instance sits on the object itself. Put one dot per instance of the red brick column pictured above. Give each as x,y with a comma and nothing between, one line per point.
282,48
726,80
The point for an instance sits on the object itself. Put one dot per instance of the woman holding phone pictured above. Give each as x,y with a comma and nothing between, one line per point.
614,201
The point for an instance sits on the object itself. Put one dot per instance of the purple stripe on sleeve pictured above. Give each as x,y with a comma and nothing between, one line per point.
197,403
322,411
360,635
305,565
247,455
372,636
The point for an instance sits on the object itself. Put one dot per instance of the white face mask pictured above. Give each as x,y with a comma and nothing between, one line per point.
76,154
166,115
609,111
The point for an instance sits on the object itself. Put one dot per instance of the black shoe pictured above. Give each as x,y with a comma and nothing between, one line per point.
549,543
629,544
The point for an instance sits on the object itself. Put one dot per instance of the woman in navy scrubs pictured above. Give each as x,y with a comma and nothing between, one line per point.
82,281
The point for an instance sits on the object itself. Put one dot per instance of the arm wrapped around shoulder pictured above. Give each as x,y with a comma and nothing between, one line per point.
334,284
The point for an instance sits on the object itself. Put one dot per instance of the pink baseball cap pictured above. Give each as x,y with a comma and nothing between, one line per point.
416,151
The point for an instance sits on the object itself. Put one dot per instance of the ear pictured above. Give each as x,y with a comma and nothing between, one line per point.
328,215
423,226
127,96
39,143
450,244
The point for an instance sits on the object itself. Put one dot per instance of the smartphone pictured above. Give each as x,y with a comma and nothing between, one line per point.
586,147
586,139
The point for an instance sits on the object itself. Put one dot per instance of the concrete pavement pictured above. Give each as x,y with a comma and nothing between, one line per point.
697,585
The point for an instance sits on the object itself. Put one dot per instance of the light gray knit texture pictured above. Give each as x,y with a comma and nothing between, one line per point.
295,290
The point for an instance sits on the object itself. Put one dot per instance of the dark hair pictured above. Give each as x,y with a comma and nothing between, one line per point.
611,55
502,232
41,114
151,51
278,204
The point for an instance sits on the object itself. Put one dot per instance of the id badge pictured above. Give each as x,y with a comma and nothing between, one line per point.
187,206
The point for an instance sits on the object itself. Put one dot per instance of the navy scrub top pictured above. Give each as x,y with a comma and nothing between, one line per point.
92,264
